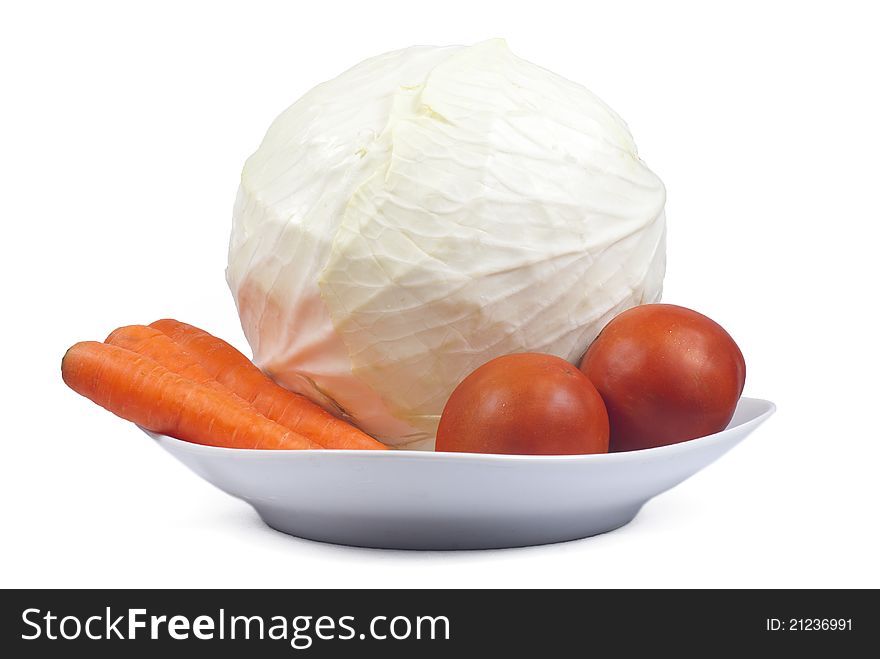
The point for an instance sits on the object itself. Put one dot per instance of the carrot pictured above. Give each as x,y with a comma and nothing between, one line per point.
152,343
141,390
235,371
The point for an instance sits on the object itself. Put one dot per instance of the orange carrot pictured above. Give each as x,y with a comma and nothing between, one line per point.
141,390
158,346
235,371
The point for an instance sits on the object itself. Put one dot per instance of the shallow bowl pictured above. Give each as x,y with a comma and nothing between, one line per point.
425,500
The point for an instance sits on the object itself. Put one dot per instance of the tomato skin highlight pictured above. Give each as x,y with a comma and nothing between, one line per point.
667,374
527,404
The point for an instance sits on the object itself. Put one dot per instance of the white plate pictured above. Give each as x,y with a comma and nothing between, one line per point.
422,500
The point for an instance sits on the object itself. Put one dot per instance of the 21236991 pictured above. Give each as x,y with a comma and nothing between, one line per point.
809,624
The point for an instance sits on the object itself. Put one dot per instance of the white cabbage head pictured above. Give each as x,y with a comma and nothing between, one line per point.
426,211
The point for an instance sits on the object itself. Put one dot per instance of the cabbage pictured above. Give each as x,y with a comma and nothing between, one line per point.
426,211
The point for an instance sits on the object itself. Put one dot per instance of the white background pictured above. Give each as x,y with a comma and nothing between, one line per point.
123,133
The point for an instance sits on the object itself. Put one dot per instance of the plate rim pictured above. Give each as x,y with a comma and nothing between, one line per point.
173,444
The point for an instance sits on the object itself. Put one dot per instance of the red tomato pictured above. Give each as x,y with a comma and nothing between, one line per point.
667,374
525,403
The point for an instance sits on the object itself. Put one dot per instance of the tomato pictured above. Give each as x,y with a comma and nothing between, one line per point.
667,374
527,404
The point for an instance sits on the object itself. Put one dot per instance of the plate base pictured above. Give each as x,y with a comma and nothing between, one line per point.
443,535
